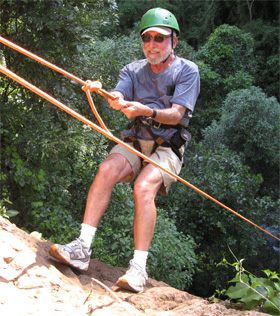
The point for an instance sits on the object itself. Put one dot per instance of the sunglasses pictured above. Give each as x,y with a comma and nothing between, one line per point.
157,38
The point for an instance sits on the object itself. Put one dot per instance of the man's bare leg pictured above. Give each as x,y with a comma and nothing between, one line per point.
77,253
114,168
145,190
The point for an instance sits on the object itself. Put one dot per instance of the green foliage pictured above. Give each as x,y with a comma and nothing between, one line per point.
266,48
223,175
5,211
131,11
250,124
56,225
254,291
226,63
184,50
55,30
173,261
114,240
48,158
51,163
207,108
228,51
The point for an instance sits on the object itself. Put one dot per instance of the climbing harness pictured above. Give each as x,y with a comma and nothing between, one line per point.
88,87
180,138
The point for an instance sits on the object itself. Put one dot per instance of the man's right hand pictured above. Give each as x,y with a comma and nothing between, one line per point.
118,103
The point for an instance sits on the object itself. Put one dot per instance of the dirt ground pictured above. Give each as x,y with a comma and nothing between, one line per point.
32,283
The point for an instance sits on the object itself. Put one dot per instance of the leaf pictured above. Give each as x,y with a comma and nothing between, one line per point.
36,234
272,310
277,286
253,296
238,291
244,278
267,272
21,182
15,155
270,291
259,282
12,213
252,304
28,173
114,246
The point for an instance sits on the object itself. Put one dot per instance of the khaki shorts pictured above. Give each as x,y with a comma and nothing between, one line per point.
164,156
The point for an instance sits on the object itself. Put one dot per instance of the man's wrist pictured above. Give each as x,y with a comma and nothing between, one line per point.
154,114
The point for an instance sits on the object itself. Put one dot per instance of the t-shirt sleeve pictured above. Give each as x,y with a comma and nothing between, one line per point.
187,88
125,84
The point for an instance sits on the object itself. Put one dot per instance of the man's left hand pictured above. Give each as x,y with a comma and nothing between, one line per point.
134,109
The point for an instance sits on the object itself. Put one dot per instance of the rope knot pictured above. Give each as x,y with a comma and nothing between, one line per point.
92,86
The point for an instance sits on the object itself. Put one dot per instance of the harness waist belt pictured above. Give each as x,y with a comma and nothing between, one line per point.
158,125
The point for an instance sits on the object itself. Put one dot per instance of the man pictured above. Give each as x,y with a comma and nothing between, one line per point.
158,94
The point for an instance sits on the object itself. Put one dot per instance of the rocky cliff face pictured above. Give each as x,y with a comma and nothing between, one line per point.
32,283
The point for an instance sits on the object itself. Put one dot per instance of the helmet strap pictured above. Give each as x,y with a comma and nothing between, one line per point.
165,59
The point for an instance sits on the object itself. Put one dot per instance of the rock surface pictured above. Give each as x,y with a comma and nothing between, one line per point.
32,283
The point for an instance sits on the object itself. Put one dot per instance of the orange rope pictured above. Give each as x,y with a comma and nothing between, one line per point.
105,130
95,111
86,84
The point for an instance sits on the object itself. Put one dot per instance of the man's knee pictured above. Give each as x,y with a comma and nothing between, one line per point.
115,167
108,169
143,189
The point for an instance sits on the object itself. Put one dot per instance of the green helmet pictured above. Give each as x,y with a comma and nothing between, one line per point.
159,17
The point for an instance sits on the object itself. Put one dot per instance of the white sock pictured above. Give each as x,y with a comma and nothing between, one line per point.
87,234
140,257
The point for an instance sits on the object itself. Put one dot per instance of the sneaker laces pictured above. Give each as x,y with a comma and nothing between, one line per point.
73,249
135,268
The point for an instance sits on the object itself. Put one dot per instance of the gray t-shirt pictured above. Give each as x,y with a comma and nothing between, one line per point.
179,83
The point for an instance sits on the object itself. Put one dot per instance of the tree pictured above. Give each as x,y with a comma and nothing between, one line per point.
45,153
226,63
222,174
266,50
249,125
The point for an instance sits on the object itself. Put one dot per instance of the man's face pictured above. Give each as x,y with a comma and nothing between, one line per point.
156,52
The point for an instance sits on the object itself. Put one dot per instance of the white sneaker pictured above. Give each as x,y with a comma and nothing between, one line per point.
74,254
134,279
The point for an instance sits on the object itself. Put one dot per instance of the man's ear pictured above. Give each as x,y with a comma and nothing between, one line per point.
175,40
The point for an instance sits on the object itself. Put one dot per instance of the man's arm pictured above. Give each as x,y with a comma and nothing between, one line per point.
171,116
